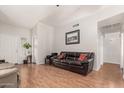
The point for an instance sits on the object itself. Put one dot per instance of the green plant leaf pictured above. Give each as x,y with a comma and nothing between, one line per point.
26,45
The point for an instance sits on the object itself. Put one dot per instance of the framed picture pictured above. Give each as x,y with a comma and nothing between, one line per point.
72,37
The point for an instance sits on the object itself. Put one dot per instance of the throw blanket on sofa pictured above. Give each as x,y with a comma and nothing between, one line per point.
8,75
6,66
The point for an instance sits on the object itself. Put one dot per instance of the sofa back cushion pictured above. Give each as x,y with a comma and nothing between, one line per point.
61,56
76,55
70,58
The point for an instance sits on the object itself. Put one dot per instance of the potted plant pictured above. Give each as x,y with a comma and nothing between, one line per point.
27,47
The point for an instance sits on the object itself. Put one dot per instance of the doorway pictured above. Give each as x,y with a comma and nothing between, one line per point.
111,48
111,42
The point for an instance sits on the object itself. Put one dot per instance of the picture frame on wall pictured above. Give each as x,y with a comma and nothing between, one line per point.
72,37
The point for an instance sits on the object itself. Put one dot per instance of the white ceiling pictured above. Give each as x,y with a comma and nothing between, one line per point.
28,16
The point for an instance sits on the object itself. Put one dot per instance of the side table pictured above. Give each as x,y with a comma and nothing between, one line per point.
25,61
48,60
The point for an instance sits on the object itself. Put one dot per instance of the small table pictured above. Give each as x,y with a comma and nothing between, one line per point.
48,60
28,59
25,62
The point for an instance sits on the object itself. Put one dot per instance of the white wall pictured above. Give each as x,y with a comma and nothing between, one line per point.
88,29
88,36
43,40
10,42
112,48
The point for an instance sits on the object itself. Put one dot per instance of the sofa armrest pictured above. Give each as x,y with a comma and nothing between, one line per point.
90,60
54,57
88,65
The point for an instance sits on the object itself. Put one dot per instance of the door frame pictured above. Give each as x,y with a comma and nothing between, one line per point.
100,50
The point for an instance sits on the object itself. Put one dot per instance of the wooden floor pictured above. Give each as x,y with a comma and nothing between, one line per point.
37,76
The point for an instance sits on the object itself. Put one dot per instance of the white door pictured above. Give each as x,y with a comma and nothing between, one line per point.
9,48
112,48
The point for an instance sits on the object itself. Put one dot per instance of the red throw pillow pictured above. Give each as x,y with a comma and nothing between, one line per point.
82,57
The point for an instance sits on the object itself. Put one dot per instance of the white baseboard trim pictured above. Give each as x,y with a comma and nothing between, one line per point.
123,76
111,62
96,69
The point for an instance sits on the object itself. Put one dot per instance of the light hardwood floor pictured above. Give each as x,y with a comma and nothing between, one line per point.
38,76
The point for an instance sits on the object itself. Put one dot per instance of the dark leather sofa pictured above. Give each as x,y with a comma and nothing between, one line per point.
71,62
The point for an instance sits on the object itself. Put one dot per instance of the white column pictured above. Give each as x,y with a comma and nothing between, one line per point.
122,50
101,50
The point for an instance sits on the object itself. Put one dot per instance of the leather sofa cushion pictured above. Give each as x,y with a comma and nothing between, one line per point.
61,60
68,61
77,54
70,58
57,60
70,55
64,61
75,63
